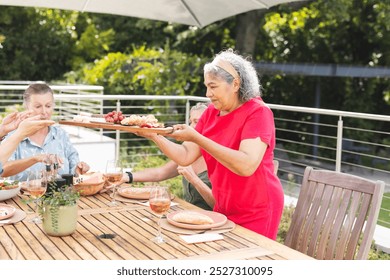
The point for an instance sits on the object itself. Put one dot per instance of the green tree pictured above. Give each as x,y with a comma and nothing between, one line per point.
144,71
332,31
33,47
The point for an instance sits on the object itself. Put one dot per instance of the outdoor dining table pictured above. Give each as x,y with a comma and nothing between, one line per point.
123,232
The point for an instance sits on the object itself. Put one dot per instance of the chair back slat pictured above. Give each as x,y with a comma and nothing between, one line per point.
328,223
335,216
293,239
318,225
312,212
346,229
358,226
337,224
369,227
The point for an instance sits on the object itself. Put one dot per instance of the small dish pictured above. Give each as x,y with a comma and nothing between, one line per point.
135,193
6,211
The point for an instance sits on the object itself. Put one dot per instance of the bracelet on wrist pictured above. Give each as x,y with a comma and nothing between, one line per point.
130,177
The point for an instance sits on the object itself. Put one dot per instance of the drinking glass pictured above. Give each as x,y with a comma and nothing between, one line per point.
36,188
159,202
113,175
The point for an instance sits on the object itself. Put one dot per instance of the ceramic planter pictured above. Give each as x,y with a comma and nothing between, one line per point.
60,221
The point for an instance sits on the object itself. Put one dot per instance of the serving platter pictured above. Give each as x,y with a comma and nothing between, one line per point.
111,126
218,218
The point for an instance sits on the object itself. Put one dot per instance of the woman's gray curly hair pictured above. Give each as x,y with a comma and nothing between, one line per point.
249,82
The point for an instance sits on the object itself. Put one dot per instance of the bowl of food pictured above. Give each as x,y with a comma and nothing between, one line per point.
8,189
89,184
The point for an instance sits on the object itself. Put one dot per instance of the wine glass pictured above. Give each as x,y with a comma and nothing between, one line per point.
36,188
159,202
113,175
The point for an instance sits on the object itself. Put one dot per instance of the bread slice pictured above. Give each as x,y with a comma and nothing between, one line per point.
193,218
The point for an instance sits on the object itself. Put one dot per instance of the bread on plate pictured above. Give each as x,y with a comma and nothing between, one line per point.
193,218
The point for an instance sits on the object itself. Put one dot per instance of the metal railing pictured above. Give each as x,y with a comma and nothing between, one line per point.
350,142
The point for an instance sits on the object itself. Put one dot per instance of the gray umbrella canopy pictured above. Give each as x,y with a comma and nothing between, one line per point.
190,12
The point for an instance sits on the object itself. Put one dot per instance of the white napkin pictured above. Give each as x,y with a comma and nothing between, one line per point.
197,238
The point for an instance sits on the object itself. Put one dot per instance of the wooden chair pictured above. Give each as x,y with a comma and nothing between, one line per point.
335,215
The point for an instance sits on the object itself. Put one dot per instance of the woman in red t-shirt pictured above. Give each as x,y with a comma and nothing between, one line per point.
236,136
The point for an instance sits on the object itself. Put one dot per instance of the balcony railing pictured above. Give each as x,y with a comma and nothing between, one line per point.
350,142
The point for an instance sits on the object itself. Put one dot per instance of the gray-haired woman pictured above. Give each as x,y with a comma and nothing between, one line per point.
236,136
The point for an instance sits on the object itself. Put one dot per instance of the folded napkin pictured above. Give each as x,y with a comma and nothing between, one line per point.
197,238
143,202
228,226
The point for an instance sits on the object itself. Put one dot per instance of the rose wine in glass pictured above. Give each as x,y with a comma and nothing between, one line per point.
113,175
36,187
159,202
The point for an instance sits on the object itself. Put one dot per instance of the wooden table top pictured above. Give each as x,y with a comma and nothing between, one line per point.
131,226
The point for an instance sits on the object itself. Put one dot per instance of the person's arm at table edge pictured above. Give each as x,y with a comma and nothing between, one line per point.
203,190
14,167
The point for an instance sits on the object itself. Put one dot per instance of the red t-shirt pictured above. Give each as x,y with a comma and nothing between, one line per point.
255,202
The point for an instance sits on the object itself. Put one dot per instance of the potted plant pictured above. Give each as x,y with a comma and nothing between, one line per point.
59,211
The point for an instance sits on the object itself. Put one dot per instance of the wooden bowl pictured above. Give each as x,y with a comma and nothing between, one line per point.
86,189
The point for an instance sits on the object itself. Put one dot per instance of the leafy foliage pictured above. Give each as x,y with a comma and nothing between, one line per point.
35,43
145,71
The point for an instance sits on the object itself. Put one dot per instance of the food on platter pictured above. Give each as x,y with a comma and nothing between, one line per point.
117,118
148,121
114,117
87,119
193,218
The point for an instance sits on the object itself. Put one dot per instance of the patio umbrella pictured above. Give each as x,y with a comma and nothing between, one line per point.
190,12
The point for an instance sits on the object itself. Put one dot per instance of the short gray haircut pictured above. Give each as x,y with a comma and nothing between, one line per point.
249,82
36,88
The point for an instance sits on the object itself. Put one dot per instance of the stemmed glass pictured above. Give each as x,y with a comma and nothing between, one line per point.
113,175
159,202
36,188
